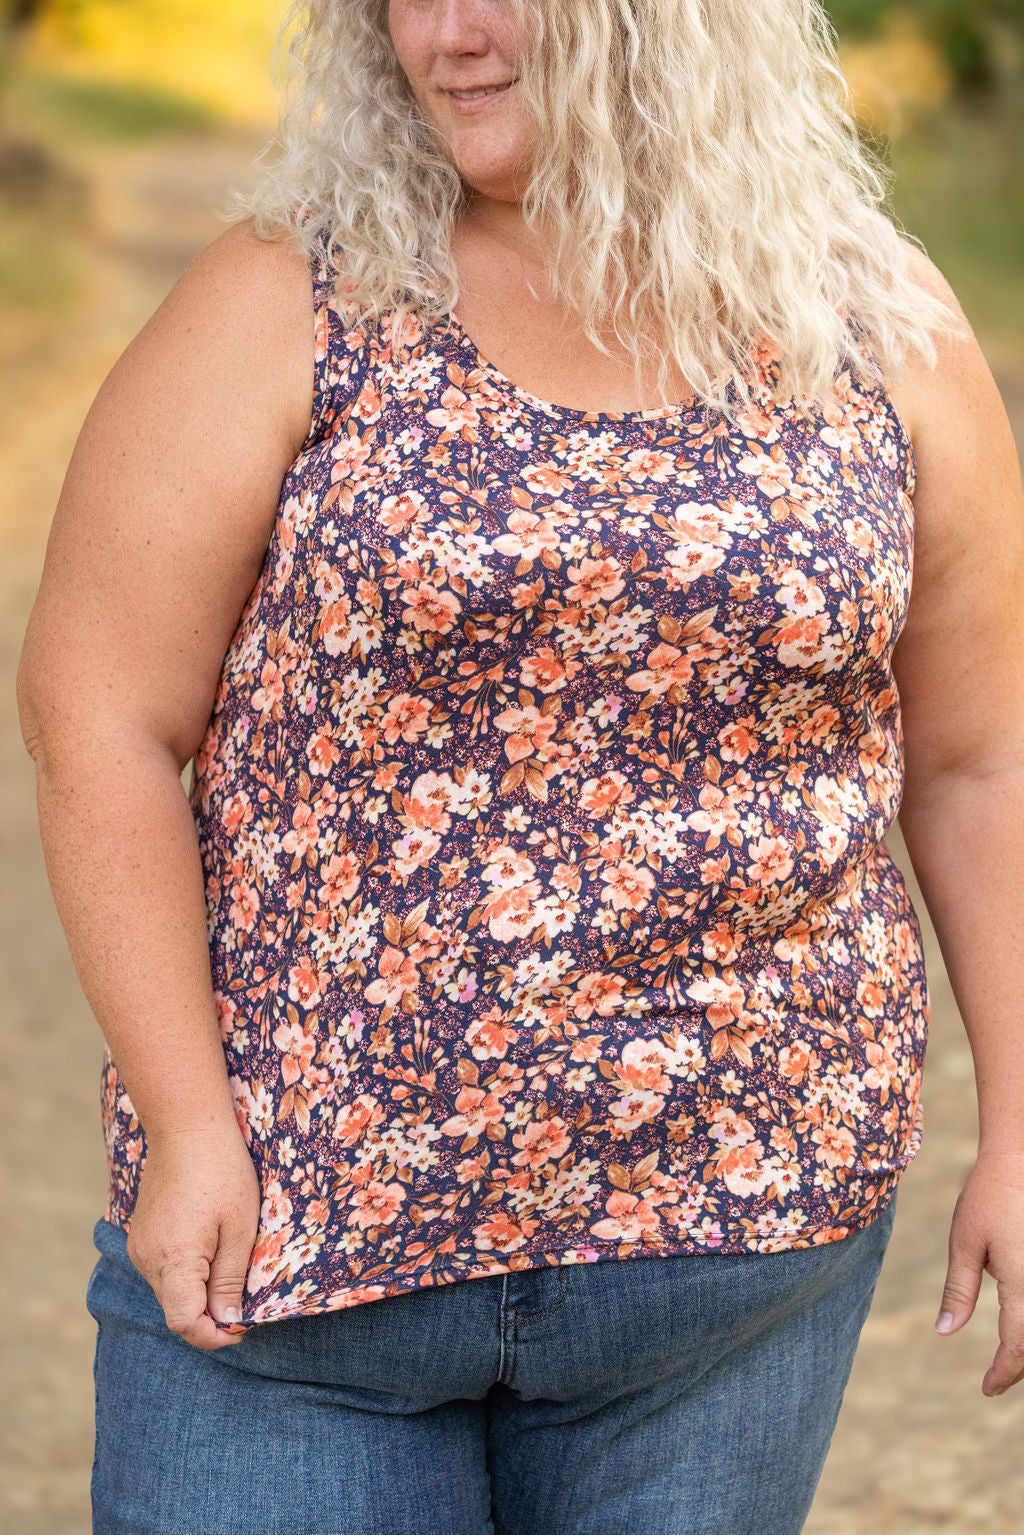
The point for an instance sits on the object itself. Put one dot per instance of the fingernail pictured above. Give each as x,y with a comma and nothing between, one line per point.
945,1322
232,1314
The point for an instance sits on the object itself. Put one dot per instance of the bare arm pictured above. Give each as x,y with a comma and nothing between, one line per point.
959,666
158,538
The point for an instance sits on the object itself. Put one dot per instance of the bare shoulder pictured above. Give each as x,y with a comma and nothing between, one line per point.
963,441
961,379
242,301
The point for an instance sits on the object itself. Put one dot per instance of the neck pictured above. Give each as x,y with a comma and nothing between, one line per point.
502,222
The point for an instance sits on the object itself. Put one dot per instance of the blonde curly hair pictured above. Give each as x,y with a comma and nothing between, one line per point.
698,173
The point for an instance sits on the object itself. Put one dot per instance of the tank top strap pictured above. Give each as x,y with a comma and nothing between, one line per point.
341,349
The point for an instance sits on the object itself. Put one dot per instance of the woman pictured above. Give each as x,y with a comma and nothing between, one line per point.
530,908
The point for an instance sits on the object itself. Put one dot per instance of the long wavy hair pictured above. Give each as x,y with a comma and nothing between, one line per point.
698,175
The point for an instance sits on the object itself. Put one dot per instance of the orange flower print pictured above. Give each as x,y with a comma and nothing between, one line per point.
629,1219
322,752
297,1052
476,1109
528,731
627,886
528,536
340,879
336,633
245,906
542,810
835,1144
430,609
600,796
378,1204
667,667
406,719
305,984
398,974
772,861
595,581
541,1142
743,1170
356,1118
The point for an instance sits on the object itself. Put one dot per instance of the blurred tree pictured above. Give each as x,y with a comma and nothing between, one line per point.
969,33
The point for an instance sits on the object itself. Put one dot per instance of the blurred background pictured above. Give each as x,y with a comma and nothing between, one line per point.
123,125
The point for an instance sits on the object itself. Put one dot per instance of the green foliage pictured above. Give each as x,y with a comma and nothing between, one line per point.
967,32
104,109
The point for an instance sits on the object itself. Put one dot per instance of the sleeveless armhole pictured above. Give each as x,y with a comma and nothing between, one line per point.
340,354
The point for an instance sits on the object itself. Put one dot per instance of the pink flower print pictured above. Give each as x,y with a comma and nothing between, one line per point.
414,851
475,1110
489,1037
598,993
378,1204
265,1260
595,581
305,984
800,643
297,1051
407,719
600,796
269,694
529,537
667,667
499,1233
528,729
237,812
513,913
340,879
245,906
547,479
797,1060
627,886
836,1145
718,815
723,999
630,1217
542,1141
336,633
398,974
883,1071
643,1065
730,1128
304,832
322,752
799,594
428,800
430,609
772,861
743,1170
397,514
354,1120
546,672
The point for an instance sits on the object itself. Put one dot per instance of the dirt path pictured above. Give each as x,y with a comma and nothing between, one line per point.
918,1449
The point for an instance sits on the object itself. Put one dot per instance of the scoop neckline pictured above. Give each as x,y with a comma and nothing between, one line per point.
549,408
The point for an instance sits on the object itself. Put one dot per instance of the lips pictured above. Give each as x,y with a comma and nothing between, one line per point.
478,92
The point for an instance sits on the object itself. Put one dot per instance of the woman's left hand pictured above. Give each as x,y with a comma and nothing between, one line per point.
987,1232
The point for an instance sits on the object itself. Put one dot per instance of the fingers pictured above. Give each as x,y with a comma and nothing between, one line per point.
179,1282
1007,1367
227,1275
963,1283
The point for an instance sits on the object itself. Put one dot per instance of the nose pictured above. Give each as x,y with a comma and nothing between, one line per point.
459,29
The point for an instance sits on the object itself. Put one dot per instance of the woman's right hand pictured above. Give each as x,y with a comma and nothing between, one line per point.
194,1226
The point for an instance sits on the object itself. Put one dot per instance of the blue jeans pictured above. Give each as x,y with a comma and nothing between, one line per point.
670,1395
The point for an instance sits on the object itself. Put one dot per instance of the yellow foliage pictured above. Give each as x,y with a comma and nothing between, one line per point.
217,54
896,76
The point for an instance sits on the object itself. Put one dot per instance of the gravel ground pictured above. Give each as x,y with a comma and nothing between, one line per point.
917,1449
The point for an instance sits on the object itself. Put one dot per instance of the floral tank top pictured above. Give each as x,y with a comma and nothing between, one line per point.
542,810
